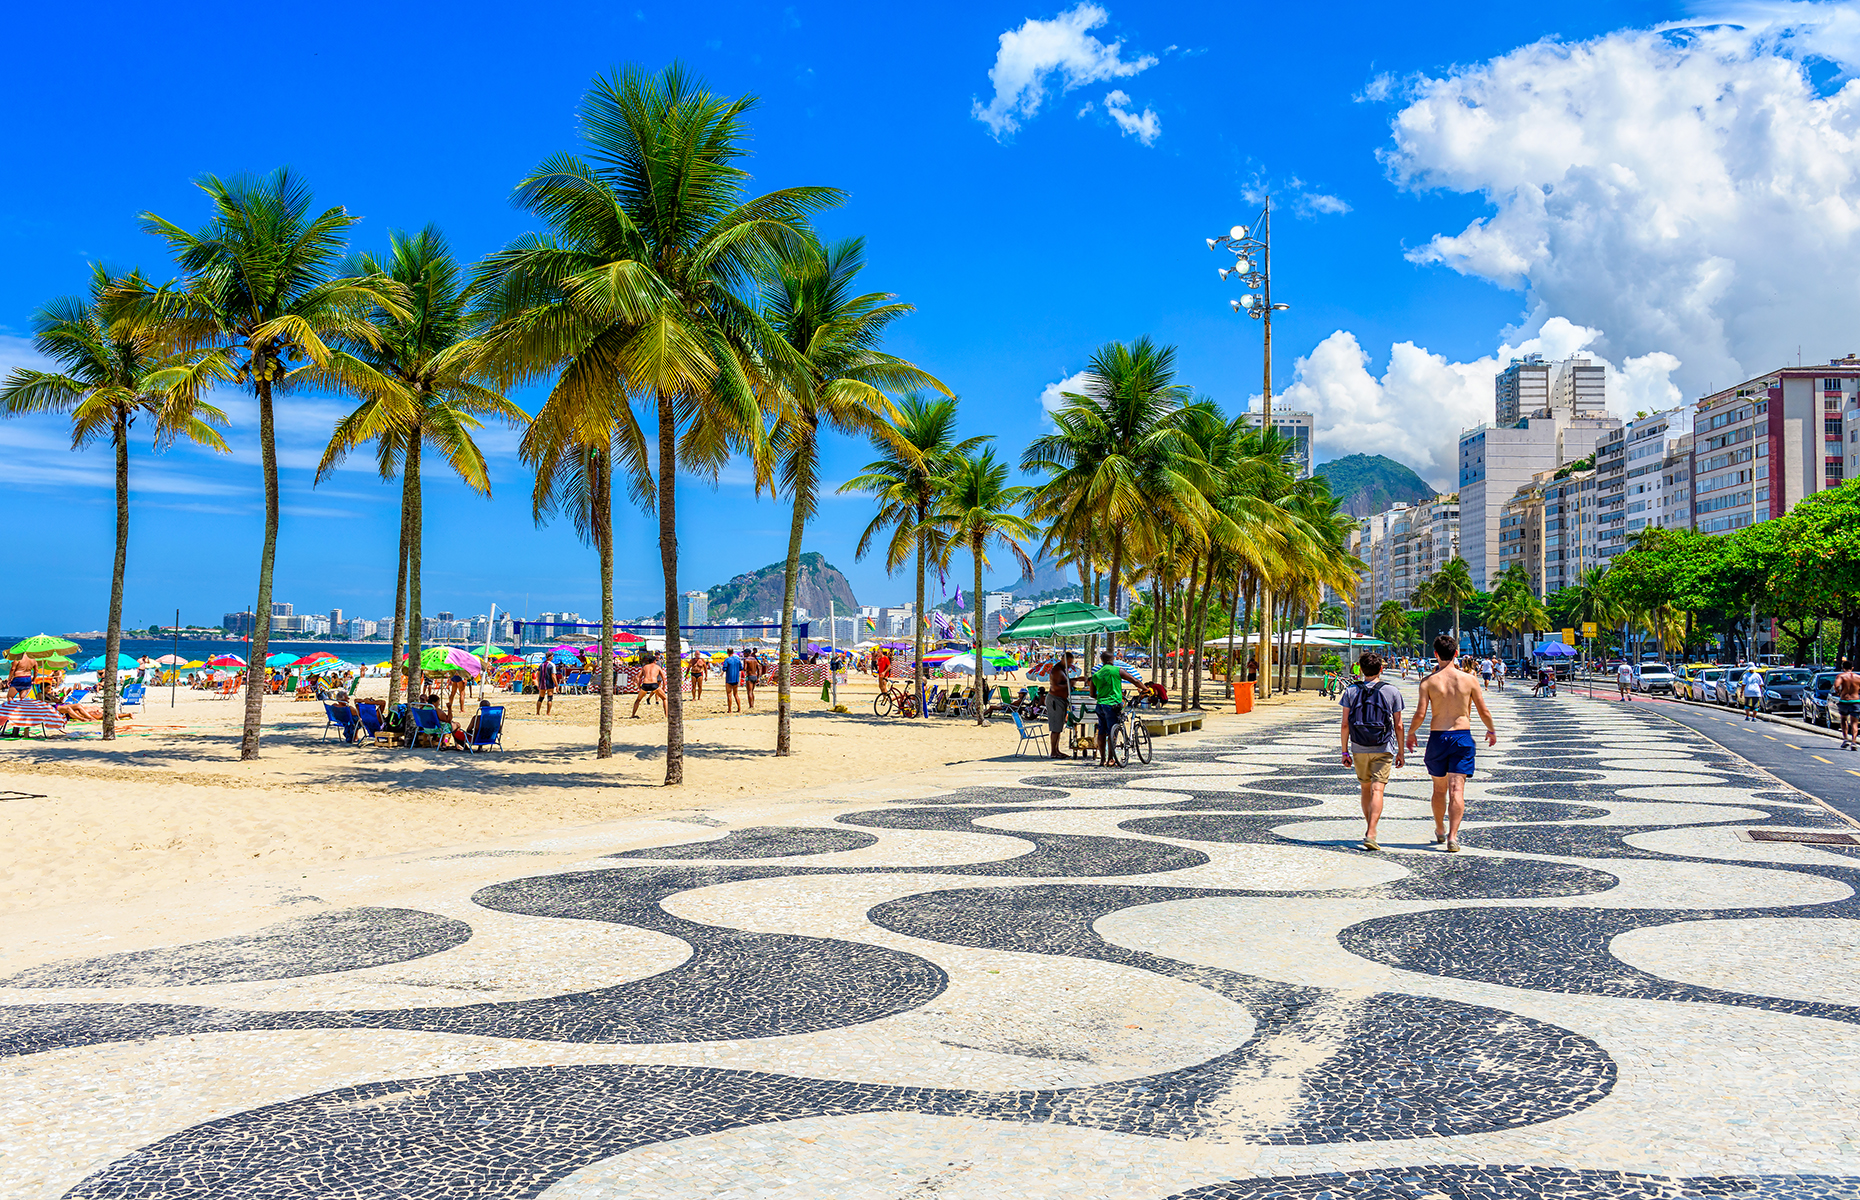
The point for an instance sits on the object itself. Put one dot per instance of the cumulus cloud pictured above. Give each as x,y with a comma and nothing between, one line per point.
1144,124
1061,50
1415,410
1294,195
1690,190
1053,396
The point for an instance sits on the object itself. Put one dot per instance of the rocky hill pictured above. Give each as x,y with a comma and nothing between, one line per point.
1371,483
757,593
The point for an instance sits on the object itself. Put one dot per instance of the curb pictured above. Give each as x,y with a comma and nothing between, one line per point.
1798,724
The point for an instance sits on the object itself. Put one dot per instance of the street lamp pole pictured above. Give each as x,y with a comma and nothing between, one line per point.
1252,251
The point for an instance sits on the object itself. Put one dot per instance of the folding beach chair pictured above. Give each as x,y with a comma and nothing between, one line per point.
426,724
1036,735
332,721
487,729
372,727
133,694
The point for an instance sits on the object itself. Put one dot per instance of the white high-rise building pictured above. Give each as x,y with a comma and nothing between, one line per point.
1495,462
1295,427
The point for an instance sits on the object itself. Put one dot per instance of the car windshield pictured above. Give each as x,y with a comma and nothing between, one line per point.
1654,669
1709,676
1788,676
1825,679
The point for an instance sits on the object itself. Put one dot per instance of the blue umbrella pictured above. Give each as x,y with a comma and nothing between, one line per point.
123,663
1556,650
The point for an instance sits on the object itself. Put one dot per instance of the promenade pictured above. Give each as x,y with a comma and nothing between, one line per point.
1009,978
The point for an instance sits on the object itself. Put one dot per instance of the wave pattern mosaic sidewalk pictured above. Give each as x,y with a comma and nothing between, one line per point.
1174,982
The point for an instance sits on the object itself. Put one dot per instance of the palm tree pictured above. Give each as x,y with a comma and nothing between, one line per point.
1392,624
976,508
259,293
829,370
1115,460
643,290
906,480
415,380
1450,587
109,380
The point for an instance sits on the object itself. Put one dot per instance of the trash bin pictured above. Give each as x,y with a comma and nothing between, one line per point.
1243,698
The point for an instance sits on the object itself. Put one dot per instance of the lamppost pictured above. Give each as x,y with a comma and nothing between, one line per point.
1252,251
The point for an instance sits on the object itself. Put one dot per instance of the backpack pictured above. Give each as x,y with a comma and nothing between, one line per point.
1370,718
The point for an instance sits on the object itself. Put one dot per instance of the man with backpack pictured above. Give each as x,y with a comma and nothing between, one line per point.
1371,734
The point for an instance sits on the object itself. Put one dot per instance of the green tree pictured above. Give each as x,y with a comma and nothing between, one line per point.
416,382
1393,625
110,379
643,290
907,480
977,508
259,299
1450,587
829,371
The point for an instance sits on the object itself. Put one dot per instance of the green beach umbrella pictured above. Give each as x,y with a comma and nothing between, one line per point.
1068,618
42,643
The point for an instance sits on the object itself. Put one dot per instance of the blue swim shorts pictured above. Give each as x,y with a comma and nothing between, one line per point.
1449,752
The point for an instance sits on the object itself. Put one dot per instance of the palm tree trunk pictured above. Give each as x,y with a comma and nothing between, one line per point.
668,563
1233,613
267,558
113,632
1091,596
791,579
416,676
1158,665
918,614
399,638
1246,624
1201,627
1117,564
1181,650
604,542
1304,644
981,636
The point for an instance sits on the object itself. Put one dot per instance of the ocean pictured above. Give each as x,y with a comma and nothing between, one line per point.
366,653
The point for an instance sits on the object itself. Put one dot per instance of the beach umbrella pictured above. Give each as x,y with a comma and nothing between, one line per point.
173,660
189,666
305,661
1068,618
123,663
281,659
1556,650
226,660
438,659
42,643
574,650
58,662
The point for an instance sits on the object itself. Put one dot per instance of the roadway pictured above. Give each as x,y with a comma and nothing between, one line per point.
1807,761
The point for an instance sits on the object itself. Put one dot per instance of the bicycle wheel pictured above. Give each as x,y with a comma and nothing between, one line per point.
1120,746
1140,740
881,704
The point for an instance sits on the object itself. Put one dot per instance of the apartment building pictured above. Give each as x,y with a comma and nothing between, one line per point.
1295,427
1550,527
1400,548
1760,447
693,608
1495,462
1638,481
1520,389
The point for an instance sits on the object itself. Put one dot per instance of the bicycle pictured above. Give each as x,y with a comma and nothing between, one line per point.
1131,735
901,701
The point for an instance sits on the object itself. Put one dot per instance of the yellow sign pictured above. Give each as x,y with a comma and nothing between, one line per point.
1588,629
1569,637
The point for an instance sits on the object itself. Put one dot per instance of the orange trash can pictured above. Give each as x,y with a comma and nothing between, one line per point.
1243,698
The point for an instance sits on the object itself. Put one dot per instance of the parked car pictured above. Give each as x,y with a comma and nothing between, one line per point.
1703,684
1783,688
1818,705
1725,691
1653,678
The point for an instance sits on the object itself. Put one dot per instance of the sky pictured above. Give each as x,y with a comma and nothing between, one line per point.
1672,189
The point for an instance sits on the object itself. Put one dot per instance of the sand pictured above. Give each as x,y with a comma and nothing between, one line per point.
171,804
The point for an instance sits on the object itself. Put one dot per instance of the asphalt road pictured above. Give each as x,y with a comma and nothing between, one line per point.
1809,761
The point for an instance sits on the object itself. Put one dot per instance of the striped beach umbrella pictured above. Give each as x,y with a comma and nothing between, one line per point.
28,713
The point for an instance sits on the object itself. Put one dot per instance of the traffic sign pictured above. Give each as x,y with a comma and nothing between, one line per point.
1569,637
1588,629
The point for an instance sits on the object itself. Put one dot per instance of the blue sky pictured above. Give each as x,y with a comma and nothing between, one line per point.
1023,249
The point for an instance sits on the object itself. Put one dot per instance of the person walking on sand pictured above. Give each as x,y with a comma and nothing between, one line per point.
1847,695
651,682
1485,672
697,669
752,675
1058,697
732,681
1371,735
1448,698
545,686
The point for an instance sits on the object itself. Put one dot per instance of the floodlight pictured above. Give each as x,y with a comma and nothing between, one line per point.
1280,307
1248,300
1235,304
1211,243
1237,233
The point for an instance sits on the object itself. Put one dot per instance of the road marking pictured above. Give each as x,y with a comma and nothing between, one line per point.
1771,738
1818,758
1792,745
1851,772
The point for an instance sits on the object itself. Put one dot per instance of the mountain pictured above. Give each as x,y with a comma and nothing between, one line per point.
757,593
1372,483
1048,576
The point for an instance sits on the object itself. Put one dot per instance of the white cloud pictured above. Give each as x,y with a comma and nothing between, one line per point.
1687,189
1053,396
1145,124
1032,55
1415,411
1294,194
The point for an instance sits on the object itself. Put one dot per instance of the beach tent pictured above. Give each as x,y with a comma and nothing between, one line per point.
1068,618
1555,650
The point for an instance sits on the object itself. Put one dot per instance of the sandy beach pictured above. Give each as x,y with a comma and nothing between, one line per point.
170,804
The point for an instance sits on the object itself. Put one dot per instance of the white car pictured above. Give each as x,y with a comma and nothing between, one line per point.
1654,677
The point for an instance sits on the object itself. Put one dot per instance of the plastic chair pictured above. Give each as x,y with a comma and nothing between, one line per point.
370,719
1035,735
332,721
134,693
426,724
487,729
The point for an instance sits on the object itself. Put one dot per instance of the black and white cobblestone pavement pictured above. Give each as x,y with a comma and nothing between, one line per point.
1036,980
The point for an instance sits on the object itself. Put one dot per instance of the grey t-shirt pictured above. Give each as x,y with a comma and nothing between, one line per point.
1391,695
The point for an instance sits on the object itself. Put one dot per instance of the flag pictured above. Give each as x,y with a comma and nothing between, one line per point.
968,630
959,596
871,624
940,622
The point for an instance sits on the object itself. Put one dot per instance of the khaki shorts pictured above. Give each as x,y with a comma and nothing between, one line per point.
1373,768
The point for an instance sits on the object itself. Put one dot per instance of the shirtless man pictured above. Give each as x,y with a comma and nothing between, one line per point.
24,672
1450,697
1058,697
1847,695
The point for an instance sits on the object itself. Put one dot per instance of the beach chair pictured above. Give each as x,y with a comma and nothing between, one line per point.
332,721
79,695
134,693
425,724
487,729
373,728
1036,735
